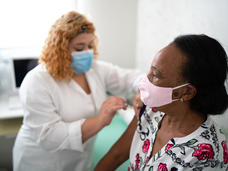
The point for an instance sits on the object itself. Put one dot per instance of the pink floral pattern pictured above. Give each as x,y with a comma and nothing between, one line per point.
168,146
154,109
147,159
204,151
162,167
196,153
225,152
146,146
137,161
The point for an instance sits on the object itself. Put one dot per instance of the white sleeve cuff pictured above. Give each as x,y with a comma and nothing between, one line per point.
137,81
75,135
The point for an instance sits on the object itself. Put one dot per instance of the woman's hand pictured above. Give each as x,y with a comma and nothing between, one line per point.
138,104
109,108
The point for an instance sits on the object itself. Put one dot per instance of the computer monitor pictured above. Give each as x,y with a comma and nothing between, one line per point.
20,67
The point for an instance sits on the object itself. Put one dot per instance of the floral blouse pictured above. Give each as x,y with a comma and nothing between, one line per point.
203,150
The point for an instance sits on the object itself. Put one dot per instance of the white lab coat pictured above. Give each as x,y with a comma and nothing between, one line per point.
50,137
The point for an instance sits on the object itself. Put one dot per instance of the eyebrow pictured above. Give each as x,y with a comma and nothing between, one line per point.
157,72
79,44
83,44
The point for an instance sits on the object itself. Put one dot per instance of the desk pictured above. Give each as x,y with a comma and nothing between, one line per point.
5,112
10,123
9,127
8,132
10,119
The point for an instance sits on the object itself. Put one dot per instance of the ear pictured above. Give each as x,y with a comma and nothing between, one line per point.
188,92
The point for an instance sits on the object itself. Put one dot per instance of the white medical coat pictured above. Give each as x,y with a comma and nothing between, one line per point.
50,137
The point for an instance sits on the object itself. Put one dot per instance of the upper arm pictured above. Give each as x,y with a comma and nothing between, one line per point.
118,81
126,139
119,152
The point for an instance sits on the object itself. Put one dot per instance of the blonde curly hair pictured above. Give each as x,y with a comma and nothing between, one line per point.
55,54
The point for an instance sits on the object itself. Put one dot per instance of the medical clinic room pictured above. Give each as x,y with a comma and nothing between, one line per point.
113,85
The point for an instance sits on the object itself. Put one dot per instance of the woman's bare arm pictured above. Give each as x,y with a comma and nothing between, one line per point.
119,152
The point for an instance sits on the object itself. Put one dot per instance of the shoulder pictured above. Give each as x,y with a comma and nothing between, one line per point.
38,72
206,148
149,121
104,70
37,77
149,115
214,130
100,65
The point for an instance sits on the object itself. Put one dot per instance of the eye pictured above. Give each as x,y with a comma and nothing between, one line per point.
154,78
90,46
150,77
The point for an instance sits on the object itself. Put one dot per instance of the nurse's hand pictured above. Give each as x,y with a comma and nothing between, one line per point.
93,125
138,104
109,108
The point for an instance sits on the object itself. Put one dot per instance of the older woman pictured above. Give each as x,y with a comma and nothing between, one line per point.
64,99
175,131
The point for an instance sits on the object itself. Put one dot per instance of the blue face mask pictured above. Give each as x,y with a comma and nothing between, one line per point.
82,61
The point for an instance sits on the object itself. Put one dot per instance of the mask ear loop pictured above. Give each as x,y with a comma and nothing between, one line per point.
180,86
181,99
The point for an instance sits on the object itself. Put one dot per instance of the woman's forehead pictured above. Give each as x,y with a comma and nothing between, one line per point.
83,37
169,60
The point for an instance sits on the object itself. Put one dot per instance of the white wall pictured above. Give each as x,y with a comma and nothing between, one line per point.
115,21
160,21
26,23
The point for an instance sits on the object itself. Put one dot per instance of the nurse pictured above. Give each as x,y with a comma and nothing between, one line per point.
65,99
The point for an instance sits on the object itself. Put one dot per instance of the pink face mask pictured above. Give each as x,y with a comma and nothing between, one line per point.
154,96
